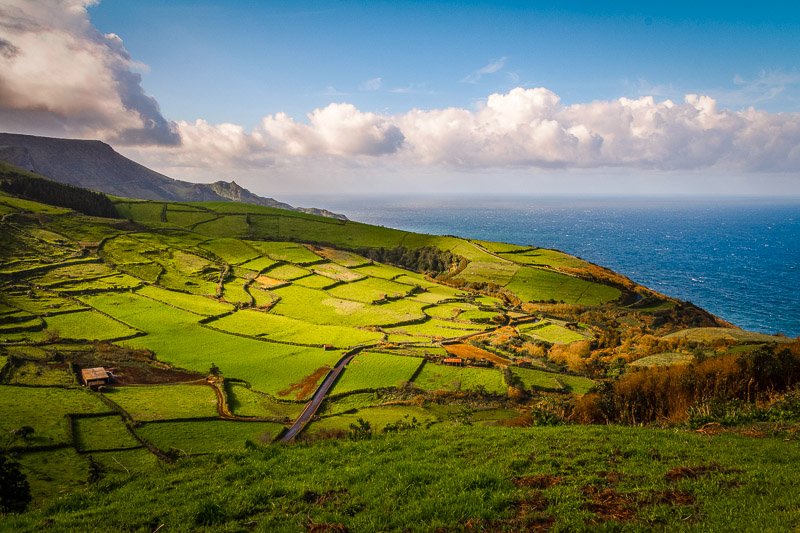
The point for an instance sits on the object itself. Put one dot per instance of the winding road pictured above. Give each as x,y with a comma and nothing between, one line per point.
311,407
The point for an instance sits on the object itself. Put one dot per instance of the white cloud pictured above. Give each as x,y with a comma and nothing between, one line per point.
372,84
521,129
490,68
58,74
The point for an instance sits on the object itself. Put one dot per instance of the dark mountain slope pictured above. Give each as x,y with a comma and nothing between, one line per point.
95,165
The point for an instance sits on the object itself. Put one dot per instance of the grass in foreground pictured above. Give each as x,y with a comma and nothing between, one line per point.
456,477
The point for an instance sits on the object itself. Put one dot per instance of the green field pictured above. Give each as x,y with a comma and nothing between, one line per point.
30,373
663,359
201,305
176,336
283,329
102,433
163,402
44,409
208,436
710,335
374,370
534,379
243,401
552,333
534,284
448,378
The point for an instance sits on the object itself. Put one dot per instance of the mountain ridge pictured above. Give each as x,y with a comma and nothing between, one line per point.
97,166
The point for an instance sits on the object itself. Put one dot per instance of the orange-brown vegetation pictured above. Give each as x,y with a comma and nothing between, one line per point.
269,283
468,351
666,394
574,355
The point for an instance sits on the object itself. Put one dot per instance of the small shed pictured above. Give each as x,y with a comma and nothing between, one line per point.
95,377
453,361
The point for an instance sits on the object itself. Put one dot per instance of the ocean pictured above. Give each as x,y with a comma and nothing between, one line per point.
737,258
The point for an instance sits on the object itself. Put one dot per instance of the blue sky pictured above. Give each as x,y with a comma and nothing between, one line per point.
387,97
237,61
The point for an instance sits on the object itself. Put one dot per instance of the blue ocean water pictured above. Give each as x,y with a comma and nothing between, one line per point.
738,258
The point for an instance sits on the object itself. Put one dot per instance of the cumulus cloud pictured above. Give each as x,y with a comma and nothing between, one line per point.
523,128
59,75
490,68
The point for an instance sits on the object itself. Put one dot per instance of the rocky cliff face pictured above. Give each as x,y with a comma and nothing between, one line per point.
95,165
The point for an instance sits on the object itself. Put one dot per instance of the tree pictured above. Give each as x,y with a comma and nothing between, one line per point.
15,492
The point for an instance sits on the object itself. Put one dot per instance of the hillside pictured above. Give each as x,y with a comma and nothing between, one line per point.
97,166
223,323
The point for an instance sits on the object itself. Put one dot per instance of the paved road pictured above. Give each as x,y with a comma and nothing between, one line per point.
311,407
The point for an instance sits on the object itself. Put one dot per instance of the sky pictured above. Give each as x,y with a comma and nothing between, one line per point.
340,97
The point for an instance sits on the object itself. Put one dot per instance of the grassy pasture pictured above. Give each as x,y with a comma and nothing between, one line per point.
186,218
663,359
286,251
163,402
378,417
552,333
543,256
225,226
378,270
338,272
109,283
341,257
142,211
102,433
30,373
450,310
444,477
287,272
314,281
296,301
374,370
369,289
537,379
200,305
44,410
283,329
499,272
208,436
258,264
232,251
357,400
233,291
502,247
78,272
534,284
51,474
176,337
709,335
89,325
127,464
247,402
436,328
448,378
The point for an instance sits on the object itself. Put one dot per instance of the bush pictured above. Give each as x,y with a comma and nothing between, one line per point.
15,492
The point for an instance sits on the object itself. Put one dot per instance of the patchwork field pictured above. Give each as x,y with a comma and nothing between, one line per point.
249,295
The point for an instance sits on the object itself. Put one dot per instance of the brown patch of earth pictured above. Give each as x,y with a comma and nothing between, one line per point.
307,385
694,472
541,481
608,504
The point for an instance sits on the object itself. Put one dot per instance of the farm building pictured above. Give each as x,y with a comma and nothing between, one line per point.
453,361
95,377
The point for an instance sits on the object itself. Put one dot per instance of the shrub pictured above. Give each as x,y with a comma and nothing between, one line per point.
15,492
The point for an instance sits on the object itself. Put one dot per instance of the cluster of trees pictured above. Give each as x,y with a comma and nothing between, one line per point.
428,259
669,394
59,194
